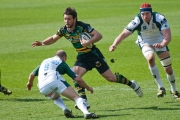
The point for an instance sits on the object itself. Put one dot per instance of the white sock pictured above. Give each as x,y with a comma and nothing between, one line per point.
172,82
80,103
59,102
155,72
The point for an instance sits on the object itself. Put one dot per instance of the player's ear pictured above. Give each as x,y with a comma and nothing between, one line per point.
75,19
65,58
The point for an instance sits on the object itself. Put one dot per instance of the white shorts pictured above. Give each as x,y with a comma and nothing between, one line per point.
141,43
54,87
155,49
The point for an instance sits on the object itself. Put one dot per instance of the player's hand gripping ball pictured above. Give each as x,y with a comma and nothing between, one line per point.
86,36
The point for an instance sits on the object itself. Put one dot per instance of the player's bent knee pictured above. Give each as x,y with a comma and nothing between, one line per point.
111,79
52,95
56,96
166,62
147,50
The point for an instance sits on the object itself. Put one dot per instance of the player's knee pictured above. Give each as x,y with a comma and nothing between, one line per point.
55,96
148,52
111,78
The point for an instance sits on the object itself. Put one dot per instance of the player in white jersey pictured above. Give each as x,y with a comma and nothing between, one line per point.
52,84
154,35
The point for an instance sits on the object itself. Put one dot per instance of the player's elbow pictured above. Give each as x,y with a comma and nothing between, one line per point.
100,36
77,79
31,75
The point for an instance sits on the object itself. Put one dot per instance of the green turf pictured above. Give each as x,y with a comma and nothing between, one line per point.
22,22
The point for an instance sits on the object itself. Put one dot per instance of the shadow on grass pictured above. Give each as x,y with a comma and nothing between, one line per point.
103,116
176,103
24,100
147,108
157,108
118,115
27,100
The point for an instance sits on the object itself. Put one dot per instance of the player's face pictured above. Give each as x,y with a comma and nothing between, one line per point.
69,21
146,16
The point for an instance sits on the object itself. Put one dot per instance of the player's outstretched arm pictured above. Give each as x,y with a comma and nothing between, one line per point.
81,82
119,39
30,81
47,41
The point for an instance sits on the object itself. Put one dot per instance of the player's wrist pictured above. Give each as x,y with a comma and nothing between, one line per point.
88,88
114,46
42,44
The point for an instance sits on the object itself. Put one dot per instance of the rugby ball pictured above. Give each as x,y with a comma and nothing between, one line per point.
85,36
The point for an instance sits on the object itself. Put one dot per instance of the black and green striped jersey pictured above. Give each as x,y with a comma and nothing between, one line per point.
73,36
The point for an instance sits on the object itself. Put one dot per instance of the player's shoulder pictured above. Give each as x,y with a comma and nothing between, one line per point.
158,17
82,24
85,27
61,31
63,28
137,19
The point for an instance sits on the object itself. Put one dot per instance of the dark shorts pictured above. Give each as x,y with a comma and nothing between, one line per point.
92,60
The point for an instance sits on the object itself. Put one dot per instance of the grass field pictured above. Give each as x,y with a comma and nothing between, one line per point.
22,22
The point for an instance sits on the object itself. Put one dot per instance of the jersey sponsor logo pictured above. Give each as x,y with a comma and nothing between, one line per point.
98,64
151,31
89,29
163,21
144,27
55,62
129,29
77,32
73,39
133,22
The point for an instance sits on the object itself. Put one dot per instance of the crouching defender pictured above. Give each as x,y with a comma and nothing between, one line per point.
52,84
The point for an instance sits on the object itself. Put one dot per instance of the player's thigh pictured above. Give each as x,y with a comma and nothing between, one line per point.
70,93
148,52
164,54
79,70
56,86
47,90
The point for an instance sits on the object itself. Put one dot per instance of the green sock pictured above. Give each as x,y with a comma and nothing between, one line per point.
80,90
123,80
